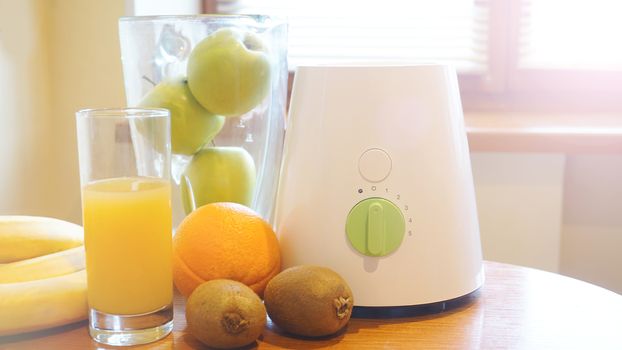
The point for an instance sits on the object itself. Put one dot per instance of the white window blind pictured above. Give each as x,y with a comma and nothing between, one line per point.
571,34
320,31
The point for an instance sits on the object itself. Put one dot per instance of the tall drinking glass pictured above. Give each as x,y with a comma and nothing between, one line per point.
125,157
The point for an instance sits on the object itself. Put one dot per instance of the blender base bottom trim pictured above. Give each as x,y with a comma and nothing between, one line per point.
414,310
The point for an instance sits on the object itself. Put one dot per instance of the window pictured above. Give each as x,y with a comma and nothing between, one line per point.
527,55
562,34
418,29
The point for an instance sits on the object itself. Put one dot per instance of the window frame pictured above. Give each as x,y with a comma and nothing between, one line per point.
509,88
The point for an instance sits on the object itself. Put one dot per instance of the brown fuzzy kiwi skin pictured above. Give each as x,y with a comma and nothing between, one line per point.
225,314
310,301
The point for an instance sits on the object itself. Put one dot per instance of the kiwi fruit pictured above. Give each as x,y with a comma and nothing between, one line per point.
225,314
309,301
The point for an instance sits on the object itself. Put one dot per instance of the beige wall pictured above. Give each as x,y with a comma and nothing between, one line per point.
592,229
556,212
519,200
56,56
25,113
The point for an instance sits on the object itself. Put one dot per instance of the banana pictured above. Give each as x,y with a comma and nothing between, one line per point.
42,274
44,303
25,237
45,266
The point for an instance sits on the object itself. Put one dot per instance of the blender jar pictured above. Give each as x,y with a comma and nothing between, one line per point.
224,80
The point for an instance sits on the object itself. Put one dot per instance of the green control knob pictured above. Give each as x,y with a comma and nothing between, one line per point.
375,227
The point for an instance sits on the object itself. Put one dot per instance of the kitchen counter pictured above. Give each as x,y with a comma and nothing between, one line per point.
517,308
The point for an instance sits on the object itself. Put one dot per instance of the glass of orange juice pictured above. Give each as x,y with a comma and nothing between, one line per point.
125,162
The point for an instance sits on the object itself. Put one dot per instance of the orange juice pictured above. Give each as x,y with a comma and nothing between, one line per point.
128,239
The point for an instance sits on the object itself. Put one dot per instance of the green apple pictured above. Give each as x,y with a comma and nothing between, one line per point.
229,71
218,174
192,126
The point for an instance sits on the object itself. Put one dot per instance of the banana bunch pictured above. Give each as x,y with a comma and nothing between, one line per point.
42,274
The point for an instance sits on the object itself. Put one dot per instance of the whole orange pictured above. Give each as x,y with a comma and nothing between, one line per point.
224,241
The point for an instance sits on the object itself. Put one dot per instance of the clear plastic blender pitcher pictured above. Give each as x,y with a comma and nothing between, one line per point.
224,80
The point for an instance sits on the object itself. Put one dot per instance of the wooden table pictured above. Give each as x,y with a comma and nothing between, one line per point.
518,308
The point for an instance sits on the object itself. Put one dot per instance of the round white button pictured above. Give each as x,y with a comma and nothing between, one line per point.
374,165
